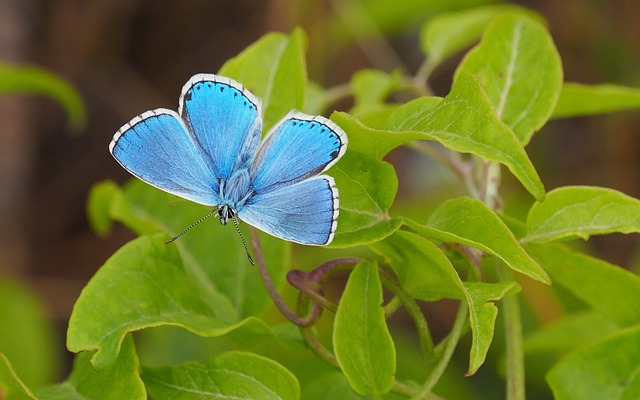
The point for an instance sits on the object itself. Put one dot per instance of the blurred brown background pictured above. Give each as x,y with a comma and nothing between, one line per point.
126,57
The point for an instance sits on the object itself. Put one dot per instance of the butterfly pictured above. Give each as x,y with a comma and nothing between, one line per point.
210,152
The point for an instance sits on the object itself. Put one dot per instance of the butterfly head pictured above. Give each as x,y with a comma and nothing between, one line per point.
225,213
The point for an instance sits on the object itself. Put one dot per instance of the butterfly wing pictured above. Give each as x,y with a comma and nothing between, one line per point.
224,120
305,212
156,147
298,147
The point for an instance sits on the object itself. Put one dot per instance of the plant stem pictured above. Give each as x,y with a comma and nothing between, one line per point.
268,283
513,338
450,346
424,336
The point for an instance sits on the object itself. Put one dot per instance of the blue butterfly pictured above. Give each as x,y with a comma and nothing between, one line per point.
209,152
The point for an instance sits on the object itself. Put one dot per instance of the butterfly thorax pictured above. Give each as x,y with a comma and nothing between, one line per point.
234,193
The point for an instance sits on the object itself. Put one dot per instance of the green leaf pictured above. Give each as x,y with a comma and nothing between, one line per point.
470,222
569,333
577,99
118,381
426,274
101,198
520,70
596,282
229,272
332,385
29,79
231,375
482,313
364,19
372,86
421,267
361,339
27,336
373,142
11,387
606,370
367,189
581,211
144,284
274,69
448,33
466,122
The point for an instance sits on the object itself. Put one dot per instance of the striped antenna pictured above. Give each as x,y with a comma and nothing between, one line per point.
237,224
176,237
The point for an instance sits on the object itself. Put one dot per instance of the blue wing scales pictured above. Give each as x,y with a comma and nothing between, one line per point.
156,147
305,212
224,120
298,147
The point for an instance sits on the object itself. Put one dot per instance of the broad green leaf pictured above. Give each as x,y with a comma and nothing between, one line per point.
231,375
469,222
611,290
118,381
274,69
373,142
448,33
569,333
332,385
229,272
577,99
372,86
426,274
361,339
465,121
11,386
316,99
421,267
364,19
376,116
27,336
144,284
520,70
581,211
367,189
101,198
30,79
606,370
481,297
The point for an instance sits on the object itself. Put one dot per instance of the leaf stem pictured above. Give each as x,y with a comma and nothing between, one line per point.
268,283
424,335
513,337
450,346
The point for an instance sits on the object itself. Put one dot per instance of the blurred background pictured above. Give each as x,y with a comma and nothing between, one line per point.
126,57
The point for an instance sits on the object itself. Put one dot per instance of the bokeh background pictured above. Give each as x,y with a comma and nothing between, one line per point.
127,56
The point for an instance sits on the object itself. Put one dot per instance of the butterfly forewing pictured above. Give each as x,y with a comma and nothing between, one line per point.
224,120
300,146
156,148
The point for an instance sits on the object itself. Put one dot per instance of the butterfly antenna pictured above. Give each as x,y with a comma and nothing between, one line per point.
176,237
237,224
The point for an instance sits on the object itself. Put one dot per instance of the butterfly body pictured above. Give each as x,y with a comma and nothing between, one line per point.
209,152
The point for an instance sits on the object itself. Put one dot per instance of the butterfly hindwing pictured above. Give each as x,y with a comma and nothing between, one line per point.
298,147
224,120
305,212
157,148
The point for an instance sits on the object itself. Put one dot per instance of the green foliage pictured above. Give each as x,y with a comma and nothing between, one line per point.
468,253
26,337
605,370
119,380
234,375
361,339
575,211
30,79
